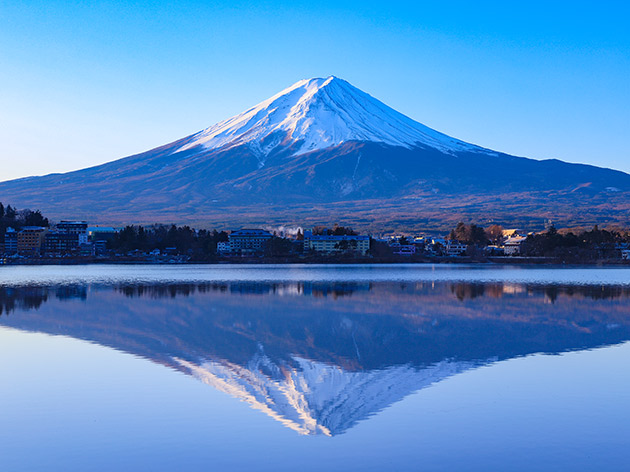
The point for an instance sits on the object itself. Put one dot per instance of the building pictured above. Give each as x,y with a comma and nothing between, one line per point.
508,233
10,241
30,240
57,243
223,247
248,241
99,236
625,254
80,228
493,250
403,249
455,248
101,233
329,244
512,245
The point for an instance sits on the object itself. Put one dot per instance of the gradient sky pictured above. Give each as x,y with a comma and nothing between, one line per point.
82,83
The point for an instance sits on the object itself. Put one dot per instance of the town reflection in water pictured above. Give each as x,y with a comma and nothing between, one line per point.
319,357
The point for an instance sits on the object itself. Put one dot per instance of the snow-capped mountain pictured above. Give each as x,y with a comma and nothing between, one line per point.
315,398
323,152
321,113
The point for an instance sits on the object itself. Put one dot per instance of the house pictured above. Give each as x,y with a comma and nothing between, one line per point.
512,245
248,241
493,250
328,243
403,249
455,248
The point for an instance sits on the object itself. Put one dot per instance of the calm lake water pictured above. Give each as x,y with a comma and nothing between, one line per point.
290,367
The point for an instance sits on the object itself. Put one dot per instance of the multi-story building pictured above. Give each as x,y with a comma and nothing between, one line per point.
328,244
80,228
223,247
248,241
56,242
101,233
30,240
10,241
512,245
455,248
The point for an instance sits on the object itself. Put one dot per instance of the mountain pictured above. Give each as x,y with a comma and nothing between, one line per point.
323,151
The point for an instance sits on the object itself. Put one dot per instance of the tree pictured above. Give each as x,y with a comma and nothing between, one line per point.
33,218
1,210
10,213
469,234
379,248
494,233
278,247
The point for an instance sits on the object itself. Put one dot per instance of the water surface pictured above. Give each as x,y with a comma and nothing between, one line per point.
314,367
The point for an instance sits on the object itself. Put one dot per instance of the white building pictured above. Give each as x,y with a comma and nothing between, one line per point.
248,241
512,245
330,244
455,248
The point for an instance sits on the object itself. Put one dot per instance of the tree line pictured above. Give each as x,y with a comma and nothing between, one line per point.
10,217
198,244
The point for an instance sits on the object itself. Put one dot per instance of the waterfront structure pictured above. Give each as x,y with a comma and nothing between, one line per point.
403,249
30,240
223,247
101,233
455,248
56,242
80,228
10,241
328,244
512,245
248,241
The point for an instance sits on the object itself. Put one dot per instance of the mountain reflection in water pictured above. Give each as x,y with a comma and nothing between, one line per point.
316,356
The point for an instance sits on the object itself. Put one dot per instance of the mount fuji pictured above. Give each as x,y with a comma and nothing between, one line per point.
323,151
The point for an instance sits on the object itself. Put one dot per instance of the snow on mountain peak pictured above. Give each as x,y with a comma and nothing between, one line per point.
319,113
313,398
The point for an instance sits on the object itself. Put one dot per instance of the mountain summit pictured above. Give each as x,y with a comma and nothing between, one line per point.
320,152
321,113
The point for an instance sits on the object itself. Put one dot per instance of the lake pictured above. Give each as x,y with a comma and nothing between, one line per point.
314,367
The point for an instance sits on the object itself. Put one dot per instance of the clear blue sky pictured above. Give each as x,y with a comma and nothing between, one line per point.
82,83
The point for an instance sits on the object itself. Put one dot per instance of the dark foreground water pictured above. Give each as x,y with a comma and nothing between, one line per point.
299,368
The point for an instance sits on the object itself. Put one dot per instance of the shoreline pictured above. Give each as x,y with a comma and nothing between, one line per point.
506,260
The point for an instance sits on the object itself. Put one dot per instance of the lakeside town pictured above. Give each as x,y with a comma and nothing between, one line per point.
27,237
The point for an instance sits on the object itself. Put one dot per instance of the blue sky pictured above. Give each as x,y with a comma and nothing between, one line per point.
82,83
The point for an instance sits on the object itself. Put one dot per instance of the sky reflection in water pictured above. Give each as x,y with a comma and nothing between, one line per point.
449,360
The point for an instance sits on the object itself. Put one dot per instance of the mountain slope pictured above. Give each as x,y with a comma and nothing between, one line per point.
322,151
